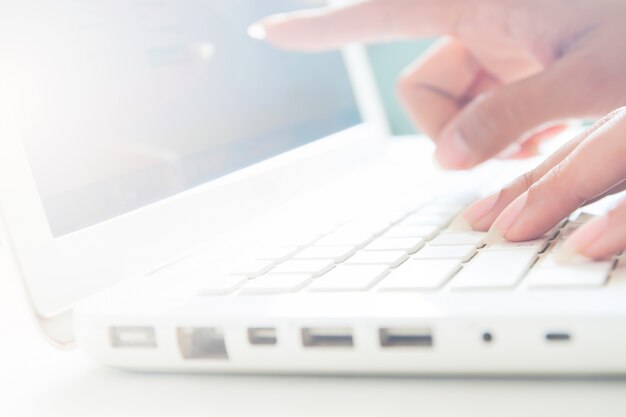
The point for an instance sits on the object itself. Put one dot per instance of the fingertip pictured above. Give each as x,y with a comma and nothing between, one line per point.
257,31
494,237
295,31
475,214
460,224
586,241
507,223
567,254
281,30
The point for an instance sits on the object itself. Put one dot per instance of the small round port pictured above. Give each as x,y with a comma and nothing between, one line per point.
487,337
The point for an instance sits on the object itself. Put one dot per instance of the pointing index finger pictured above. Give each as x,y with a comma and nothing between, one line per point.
366,21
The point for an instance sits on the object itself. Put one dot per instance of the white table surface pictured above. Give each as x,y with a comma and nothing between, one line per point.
38,381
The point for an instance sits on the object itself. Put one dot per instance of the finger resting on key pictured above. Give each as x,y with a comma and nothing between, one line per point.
593,168
601,238
482,214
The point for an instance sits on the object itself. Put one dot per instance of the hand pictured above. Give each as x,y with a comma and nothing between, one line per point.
588,168
505,74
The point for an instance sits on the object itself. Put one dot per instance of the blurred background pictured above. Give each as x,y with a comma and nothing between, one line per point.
388,62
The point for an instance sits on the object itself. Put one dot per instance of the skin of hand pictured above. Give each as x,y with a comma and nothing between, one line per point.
504,75
588,168
502,78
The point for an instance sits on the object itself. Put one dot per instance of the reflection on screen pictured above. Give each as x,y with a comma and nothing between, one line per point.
123,103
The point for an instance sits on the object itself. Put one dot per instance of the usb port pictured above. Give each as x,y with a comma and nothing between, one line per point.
133,337
327,337
405,337
262,336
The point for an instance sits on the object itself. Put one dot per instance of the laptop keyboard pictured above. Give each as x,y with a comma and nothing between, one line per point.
409,250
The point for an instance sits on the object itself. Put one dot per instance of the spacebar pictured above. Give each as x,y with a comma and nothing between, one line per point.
498,269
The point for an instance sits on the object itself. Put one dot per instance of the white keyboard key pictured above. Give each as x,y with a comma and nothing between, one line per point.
554,232
277,253
618,277
495,269
408,244
591,274
335,253
555,248
300,239
459,238
439,220
356,240
373,226
350,278
389,258
388,216
539,245
276,284
461,252
311,268
420,275
564,235
451,210
253,269
411,231
460,198
581,218
569,230
221,286
360,226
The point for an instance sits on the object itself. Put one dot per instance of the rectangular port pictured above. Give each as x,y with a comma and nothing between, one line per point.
262,336
132,337
202,343
327,337
558,337
405,337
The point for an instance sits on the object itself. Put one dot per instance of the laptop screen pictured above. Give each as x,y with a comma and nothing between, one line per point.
124,103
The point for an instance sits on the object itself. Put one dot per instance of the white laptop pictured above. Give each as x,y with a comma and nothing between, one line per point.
179,197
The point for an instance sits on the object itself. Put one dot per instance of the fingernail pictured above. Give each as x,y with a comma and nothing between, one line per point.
480,209
453,152
494,237
582,240
510,215
257,31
